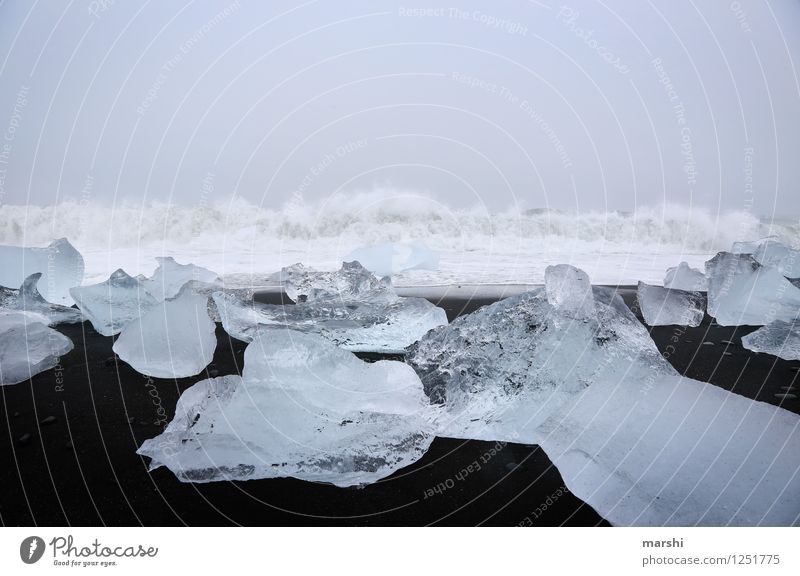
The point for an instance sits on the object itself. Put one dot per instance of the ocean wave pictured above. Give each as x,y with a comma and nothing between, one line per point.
369,217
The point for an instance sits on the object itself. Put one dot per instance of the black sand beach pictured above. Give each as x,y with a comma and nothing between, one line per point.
69,438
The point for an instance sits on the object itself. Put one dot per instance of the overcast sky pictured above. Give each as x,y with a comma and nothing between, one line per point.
588,105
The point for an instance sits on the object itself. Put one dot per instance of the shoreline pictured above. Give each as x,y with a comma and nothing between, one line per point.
70,437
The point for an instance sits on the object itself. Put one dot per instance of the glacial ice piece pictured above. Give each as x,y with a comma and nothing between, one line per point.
683,277
174,339
630,436
742,292
28,298
302,408
779,338
503,369
350,307
670,306
169,278
779,256
113,304
351,282
391,258
569,291
208,289
677,452
386,324
60,264
750,246
28,346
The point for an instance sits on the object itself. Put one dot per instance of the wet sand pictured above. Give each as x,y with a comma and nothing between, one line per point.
69,438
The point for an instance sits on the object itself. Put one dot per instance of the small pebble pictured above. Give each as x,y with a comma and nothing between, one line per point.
708,343
131,419
787,388
16,414
48,420
727,353
25,439
727,342
68,445
786,396
213,372
511,466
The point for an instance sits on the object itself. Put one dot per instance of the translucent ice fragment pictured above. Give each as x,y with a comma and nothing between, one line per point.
28,346
779,338
169,278
28,298
683,277
743,292
302,408
174,339
391,258
113,304
669,306
784,259
60,264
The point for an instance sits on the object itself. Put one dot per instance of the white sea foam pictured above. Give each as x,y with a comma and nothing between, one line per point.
478,246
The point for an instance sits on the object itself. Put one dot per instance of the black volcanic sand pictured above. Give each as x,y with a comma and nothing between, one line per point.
69,438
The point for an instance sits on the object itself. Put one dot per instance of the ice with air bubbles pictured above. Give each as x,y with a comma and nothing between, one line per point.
630,436
302,408
351,308
170,276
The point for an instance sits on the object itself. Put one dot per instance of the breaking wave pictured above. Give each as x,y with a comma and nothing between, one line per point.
369,218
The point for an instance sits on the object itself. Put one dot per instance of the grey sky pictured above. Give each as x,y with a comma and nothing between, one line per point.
473,102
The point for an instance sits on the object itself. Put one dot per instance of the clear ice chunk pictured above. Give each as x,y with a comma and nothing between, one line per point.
779,338
113,304
629,435
174,339
683,277
503,369
784,259
303,408
382,325
391,258
60,264
350,307
750,246
743,292
677,452
169,278
28,299
351,282
28,346
670,306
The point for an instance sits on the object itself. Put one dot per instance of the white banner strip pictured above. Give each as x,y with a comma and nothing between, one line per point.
353,551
